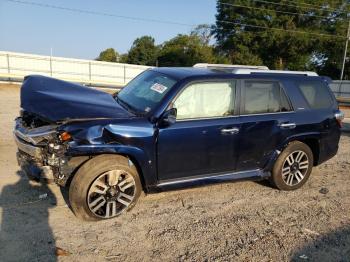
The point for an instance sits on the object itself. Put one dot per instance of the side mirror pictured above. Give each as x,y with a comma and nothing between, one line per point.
169,117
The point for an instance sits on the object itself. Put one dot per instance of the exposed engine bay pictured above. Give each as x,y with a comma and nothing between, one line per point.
41,150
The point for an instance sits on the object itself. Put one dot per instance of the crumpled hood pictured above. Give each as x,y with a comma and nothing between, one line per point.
58,100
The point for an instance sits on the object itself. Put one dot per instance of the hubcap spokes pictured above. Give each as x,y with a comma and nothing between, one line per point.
295,168
111,193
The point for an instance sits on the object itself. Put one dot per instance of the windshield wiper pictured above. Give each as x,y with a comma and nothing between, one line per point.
123,104
128,107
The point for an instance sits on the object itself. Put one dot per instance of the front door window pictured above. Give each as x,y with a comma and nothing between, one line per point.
206,100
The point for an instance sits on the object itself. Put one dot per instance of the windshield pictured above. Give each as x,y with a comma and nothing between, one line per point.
144,92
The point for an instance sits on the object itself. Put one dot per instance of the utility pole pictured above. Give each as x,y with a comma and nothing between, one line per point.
345,52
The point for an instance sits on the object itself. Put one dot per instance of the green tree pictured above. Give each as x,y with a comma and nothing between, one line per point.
329,56
241,33
108,55
204,32
185,50
123,58
143,51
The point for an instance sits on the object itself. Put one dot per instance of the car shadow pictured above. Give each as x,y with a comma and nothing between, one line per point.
65,195
25,233
265,183
334,246
346,133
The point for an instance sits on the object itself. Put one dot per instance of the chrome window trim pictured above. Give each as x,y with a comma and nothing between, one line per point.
234,116
207,118
272,113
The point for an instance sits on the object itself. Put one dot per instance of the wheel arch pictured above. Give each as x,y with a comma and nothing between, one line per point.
310,139
139,158
314,145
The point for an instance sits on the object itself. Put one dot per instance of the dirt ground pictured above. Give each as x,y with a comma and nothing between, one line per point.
245,221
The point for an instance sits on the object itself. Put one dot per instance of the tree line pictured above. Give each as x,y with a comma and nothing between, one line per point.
287,35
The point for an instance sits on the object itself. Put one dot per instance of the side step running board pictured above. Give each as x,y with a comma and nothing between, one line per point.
256,174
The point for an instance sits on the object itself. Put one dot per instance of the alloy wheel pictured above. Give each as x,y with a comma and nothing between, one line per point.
111,193
295,167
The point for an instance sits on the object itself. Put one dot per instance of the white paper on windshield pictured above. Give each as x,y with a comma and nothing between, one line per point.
158,88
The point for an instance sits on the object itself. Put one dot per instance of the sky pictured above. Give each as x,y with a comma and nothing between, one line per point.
34,29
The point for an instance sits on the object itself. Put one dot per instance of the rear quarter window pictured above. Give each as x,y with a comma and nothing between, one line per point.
316,93
264,97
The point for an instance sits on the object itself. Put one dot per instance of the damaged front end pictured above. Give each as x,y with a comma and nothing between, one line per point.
47,105
41,150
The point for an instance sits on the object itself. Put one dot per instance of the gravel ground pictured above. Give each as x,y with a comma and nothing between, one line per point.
245,221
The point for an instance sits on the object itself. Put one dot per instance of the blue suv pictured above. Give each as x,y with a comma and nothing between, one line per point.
172,128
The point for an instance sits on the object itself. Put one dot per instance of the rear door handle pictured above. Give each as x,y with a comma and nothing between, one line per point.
234,130
287,125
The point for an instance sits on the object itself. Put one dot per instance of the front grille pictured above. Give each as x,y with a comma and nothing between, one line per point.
34,135
33,151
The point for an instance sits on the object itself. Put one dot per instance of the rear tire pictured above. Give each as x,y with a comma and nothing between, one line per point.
293,166
104,187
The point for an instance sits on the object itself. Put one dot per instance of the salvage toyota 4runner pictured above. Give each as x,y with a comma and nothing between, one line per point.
175,127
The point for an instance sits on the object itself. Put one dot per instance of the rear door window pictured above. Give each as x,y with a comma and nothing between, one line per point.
264,97
316,94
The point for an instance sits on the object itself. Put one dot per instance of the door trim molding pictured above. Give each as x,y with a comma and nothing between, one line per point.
256,174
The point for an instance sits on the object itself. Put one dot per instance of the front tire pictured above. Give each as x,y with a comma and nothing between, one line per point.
293,167
104,187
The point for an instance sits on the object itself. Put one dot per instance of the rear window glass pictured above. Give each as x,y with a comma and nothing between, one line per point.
265,97
316,94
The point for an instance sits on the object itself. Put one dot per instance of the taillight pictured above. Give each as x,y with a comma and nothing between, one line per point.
339,116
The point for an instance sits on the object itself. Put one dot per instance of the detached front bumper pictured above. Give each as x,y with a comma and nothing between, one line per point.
33,151
41,156
34,170
31,155
30,160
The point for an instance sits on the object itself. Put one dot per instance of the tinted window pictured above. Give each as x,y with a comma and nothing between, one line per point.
145,91
316,94
264,97
206,100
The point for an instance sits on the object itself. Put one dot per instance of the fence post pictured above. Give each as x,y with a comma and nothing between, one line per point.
90,72
8,63
124,74
51,65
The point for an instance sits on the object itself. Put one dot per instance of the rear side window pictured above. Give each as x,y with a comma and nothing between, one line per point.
264,97
316,94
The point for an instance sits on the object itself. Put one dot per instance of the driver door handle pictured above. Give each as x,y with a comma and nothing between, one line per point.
233,130
288,125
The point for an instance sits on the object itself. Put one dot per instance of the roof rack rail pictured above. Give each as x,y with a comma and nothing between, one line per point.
245,71
225,66
250,69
